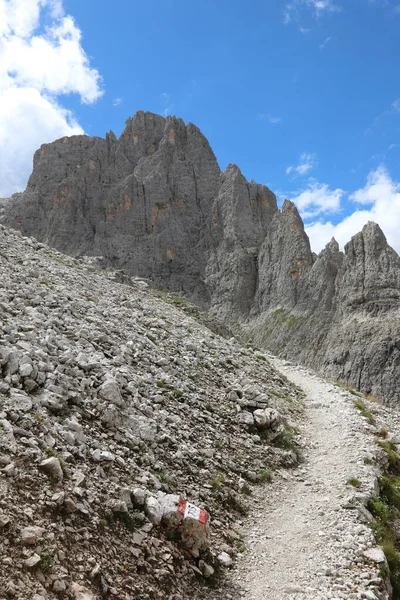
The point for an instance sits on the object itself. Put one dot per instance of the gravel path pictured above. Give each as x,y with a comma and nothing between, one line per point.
307,536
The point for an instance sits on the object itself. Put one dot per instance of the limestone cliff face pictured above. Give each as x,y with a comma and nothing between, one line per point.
142,201
155,203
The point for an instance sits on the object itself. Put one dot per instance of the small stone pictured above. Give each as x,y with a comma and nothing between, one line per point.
59,586
224,559
52,468
375,554
246,418
32,561
4,520
30,535
153,510
139,496
81,593
109,391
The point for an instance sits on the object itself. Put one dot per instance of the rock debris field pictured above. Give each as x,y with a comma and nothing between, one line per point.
117,402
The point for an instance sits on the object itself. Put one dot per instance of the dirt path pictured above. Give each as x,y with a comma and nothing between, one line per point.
307,537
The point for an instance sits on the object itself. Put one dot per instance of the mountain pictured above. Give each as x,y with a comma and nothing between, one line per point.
155,204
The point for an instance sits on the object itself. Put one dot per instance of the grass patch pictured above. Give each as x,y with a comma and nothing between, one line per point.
383,432
354,482
284,441
166,478
392,454
175,394
385,509
46,562
218,482
127,520
364,411
264,475
37,418
293,320
52,453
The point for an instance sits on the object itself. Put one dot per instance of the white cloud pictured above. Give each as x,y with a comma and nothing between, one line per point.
317,7
396,105
41,58
317,198
117,102
307,162
167,100
381,198
274,120
325,42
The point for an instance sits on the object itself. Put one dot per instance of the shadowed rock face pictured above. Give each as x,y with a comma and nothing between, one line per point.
155,203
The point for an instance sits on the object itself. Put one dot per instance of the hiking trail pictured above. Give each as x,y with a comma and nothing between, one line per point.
307,537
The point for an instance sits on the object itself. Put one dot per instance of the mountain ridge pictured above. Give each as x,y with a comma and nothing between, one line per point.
155,203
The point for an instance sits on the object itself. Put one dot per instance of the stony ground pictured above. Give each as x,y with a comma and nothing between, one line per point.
309,537
114,399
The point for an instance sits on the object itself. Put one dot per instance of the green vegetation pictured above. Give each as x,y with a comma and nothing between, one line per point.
218,482
349,389
354,482
166,478
385,509
364,411
46,562
37,417
127,520
264,475
284,318
52,453
368,460
391,453
171,298
175,393
383,432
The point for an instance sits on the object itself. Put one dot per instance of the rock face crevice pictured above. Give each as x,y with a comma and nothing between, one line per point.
155,203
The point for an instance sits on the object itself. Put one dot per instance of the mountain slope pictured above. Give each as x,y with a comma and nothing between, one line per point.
155,203
114,400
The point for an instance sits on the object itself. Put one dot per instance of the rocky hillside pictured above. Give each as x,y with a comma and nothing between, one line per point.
155,203
118,406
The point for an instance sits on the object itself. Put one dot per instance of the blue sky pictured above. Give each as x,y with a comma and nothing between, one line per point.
303,95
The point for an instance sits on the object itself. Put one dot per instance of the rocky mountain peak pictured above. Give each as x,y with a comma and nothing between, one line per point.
154,203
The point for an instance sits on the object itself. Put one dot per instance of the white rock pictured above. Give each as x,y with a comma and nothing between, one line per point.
30,535
246,418
81,593
52,468
224,559
32,561
110,391
153,510
375,554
